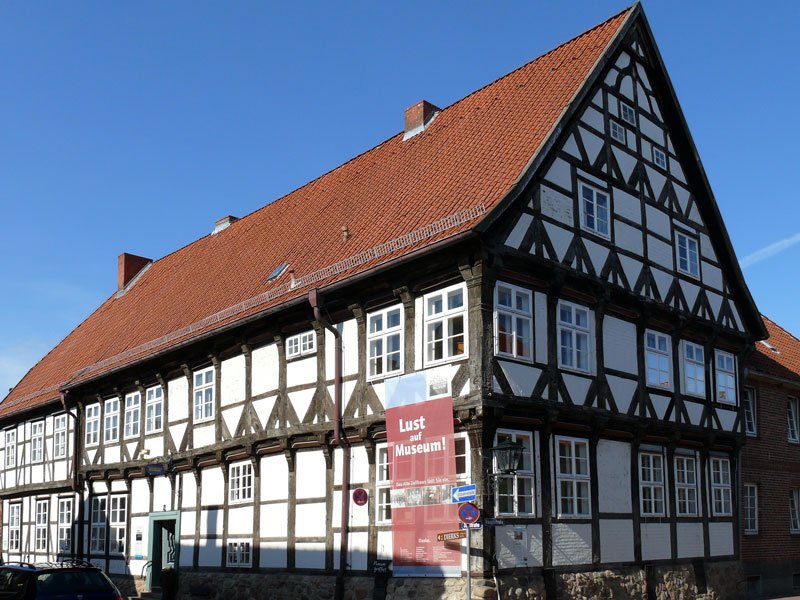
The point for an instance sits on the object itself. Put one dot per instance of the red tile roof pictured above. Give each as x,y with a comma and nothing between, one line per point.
465,162
781,358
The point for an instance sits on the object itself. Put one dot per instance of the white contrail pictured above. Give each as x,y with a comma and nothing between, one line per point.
770,251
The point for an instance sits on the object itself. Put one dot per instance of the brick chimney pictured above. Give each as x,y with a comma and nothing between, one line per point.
418,117
128,267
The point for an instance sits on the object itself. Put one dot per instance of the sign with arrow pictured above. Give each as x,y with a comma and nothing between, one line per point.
464,493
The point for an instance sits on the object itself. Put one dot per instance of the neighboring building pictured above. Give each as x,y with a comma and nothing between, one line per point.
771,466
548,249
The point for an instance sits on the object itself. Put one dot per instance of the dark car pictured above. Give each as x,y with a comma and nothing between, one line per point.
55,581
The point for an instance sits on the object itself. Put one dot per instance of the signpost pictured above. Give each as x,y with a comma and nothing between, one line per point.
464,493
468,514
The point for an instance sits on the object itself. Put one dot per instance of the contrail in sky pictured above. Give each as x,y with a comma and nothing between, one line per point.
770,251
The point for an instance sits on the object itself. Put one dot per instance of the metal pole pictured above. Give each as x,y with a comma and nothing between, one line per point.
469,561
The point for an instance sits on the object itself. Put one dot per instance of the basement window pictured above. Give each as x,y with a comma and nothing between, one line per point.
239,554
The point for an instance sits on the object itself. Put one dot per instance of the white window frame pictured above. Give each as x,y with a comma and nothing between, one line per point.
750,508
691,248
239,554
655,359
516,484
203,394
686,485
592,200
14,526
41,521
793,420
574,480
721,503
383,485
60,427
521,322
118,524
794,510
698,369
659,153
575,332
133,415
65,525
37,442
652,496
111,420
240,482
749,408
445,318
92,437
301,344
624,115
725,377
154,410
11,448
99,514
617,129
379,335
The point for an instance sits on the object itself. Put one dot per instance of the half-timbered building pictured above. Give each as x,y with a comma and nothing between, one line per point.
547,250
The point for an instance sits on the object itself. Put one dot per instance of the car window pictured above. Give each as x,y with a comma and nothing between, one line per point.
72,582
12,584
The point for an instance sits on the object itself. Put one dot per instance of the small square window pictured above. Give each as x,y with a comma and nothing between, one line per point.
659,158
301,344
627,113
618,132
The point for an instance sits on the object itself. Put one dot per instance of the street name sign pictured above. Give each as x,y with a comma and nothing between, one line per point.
451,535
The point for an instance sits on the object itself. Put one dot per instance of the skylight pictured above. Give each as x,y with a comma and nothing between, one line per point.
770,346
277,272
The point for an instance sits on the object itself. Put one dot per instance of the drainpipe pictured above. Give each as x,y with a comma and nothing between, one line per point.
315,299
76,487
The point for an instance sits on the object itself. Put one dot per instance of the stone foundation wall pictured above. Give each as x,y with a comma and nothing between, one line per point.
128,585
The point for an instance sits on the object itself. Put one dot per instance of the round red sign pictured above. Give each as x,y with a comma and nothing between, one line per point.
468,513
360,496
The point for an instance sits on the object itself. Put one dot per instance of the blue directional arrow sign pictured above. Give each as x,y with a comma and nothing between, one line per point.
464,493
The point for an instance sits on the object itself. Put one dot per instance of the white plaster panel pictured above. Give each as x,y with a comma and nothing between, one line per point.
111,454
203,435
592,142
659,252
556,206
263,408
577,387
660,404
349,332
572,544
240,520
712,275
265,369
726,418
641,97
651,130
690,292
522,378
622,390
189,491
273,554
359,465
211,522
626,162
311,472
231,417
162,493
309,556
720,537
593,118
212,489
657,181
571,146
690,540
384,545
559,174
616,540
663,281
598,99
611,77
274,519
301,400
232,380
658,221
706,247
613,105
631,267
736,317
623,60
597,253
140,496
715,300
628,238
619,345
301,372
694,410
518,546
514,238
210,553
626,87
177,432
614,487
540,326
178,390
627,206
656,542
117,566
561,239
676,170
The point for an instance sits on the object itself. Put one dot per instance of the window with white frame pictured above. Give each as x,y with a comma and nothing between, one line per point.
574,337
92,425
651,483
792,417
60,436
240,486
720,487
794,511
385,341
572,477
749,406
41,525
750,508
117,522
688,255
239,554
686,485
65,525
726,377
204,394
658,359
133,412
595,210
659,158
383,490
14,527
514,492
301,344
627,113
694,369
111,429
11,448
513,321
618,132
97,536
445,324
154,409
37,441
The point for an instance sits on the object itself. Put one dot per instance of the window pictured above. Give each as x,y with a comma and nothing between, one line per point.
154,410
14,526
514,492
97,542
627,113
239,554
750,411
118,522
618,132
133,403
445,330
750,508
726,377
694,369
513,321
111,429
65,525
573,335
92,424
41,526
659,158
385,341
688,257
37,442
658,359
720,487
792,415
204,394
241,482
595,210
686,485
651,483
572,476
11,448
794,512
383,490
301,344
60,436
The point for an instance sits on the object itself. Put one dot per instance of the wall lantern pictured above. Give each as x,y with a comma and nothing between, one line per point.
507,456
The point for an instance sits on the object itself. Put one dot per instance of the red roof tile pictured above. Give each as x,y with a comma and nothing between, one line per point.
467,160
779,356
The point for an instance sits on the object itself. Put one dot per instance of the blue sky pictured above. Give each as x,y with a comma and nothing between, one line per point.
132,127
